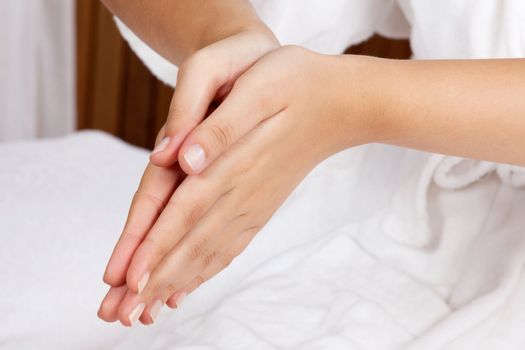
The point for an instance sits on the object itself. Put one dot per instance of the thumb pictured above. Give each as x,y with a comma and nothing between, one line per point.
198,82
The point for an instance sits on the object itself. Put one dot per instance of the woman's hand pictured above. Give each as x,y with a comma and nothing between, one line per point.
207,75
204,79
282,118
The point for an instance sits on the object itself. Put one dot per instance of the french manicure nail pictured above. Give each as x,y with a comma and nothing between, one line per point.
181,298
195,157
154,310
142,283
135,313
162,145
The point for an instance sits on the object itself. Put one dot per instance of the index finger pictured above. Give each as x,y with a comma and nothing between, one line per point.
156,187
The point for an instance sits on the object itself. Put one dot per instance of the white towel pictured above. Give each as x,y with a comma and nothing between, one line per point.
303,283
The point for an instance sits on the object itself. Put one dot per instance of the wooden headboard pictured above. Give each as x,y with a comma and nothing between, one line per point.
115,91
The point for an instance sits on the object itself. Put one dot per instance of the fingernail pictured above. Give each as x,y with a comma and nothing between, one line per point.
180,299
195,157
162,145
135,313
142,283
154,310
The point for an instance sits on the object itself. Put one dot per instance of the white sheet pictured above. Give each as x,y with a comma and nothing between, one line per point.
334,269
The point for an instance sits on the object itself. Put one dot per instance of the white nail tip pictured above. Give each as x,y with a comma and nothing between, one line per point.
155,309
195,157
135,313
162,145
142,283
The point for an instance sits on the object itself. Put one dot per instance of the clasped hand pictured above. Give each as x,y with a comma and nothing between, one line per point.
217,176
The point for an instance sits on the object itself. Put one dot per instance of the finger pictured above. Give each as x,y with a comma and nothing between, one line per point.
195,251
130,309
205,76
222,261
156,187
145,307
198,82
175,300
183,211
109,306
246,106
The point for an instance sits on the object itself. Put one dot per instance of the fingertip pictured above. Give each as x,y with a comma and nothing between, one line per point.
137,276
106,315
125,317
146,319
172,302
192,158
112,278
175,300
109,305
132,282
165,153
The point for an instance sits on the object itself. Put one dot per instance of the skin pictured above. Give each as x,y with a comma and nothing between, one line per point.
289,111
213,42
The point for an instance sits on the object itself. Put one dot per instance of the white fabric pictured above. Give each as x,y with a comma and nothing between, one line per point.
337,278
62,206
36,68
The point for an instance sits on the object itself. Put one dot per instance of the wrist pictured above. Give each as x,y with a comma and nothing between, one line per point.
363,99
220,29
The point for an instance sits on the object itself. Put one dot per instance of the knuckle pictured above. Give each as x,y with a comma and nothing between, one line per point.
209,258
194,215
160,249
191,213
156,202
220,135
197,247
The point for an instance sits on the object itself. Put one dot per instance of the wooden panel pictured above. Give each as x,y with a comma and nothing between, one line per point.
139,86
85,16
115,91
108,69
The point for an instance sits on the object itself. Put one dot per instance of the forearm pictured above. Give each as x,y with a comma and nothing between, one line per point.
177,28
469,108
